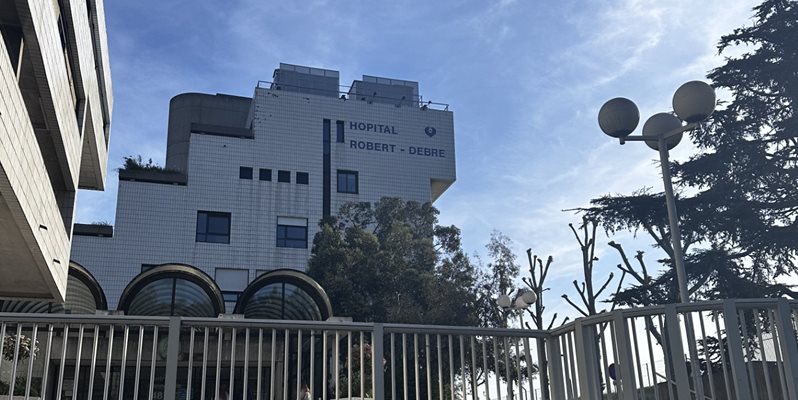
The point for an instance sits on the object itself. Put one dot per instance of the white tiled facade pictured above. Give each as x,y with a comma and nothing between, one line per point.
55,114
157,222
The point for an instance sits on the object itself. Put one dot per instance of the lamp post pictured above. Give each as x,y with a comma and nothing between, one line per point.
523,298
693,102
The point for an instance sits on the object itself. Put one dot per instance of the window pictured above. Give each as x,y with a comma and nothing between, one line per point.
245,173
213,227
284,176
347,182
265,174
230,297
302,178
339,131
292,232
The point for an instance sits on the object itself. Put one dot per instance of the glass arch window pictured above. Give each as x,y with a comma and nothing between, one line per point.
84,296
172,289
284,294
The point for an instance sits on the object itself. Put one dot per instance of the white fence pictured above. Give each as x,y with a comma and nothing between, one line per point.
677,351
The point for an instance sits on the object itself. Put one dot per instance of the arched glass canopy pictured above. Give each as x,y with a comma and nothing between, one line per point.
84,296
172,289
284,294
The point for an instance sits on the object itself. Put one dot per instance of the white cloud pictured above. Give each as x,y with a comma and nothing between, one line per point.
556,157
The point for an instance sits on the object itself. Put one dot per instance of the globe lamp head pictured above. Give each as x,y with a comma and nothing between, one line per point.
504,301
658,125
694,101
529,297
520,303
618,117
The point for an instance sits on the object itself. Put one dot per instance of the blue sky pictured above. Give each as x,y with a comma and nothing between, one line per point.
524,78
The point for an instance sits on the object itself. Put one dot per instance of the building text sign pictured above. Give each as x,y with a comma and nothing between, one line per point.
421,149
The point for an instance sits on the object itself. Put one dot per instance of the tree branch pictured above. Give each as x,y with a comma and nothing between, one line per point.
593,244
625,260
617,290
576,235
639,258
545,271
574,306
604,286
552,322
532,267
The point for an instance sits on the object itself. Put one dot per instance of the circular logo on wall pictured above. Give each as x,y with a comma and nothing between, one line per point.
430,131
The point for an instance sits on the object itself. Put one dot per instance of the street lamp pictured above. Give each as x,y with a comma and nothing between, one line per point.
520,301
693,102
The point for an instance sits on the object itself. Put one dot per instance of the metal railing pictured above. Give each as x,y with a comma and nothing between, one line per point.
346,93
733,349
643,353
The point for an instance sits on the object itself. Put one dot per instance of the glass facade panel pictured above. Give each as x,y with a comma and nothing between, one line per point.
154,299
281,300
171,296
79,298
191,300
26,306
298,304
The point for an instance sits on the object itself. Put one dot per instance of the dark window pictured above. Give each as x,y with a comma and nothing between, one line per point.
347,182
231,297
147,267
292,236
245,172
302,178
325,171
213,227
339,131
265,174
284,176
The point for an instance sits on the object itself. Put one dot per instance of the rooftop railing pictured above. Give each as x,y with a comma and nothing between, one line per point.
344,93
733,349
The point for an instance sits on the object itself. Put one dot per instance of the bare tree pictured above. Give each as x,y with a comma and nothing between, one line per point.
587,294
536,281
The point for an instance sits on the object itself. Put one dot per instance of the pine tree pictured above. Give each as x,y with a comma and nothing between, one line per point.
740,227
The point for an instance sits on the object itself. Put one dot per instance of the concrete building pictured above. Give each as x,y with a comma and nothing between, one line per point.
55,115
247,180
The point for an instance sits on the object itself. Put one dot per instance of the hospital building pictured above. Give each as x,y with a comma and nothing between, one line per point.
246,182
